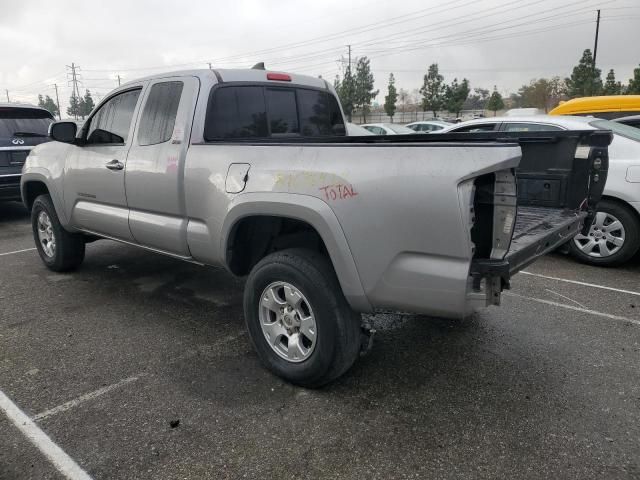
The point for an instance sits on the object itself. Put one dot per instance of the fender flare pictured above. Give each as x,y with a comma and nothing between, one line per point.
316,213
42,175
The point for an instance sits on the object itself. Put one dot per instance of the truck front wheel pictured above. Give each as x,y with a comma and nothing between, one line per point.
299,322
60,250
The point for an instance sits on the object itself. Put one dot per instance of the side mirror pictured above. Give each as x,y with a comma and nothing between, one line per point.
63,131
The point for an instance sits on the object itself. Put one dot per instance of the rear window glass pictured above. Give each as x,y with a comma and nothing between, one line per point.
319,114
263,112
282,111
237,112
159,115
24,122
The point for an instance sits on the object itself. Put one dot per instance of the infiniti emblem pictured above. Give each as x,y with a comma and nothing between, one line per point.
17,141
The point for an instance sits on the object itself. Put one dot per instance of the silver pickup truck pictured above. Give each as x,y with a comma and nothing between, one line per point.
252,170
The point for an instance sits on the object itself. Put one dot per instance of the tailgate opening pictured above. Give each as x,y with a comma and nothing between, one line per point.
522,215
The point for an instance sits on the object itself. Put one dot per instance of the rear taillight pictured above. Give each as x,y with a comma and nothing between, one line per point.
279,77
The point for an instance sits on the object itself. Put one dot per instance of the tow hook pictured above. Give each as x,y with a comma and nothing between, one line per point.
366,339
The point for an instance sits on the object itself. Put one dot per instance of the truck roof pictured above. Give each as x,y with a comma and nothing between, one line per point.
238,75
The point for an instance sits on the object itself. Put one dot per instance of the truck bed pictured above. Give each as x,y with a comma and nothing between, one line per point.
539,230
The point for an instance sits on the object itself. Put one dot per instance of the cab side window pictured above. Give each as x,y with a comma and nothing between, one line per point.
159,114
530,127
483,127
111,123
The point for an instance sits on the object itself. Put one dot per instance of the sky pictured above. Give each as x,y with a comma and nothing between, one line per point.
505,43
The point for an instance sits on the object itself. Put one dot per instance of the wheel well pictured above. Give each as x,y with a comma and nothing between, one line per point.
252,238
622,203
33,190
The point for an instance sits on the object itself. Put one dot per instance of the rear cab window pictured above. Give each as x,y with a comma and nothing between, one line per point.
262,112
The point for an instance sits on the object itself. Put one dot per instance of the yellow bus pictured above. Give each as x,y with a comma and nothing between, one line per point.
609,107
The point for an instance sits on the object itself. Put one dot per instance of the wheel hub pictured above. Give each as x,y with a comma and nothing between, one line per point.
605,238
45,234
287,321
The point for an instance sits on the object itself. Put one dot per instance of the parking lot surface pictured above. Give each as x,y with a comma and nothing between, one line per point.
137,366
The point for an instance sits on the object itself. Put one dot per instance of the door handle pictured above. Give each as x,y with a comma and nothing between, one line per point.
115,165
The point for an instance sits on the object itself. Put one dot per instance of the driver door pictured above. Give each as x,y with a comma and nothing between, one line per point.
94,192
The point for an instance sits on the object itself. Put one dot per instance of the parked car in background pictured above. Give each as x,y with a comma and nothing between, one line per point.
631,120
387,129
21,128
428,126
607,106
354,130
615,234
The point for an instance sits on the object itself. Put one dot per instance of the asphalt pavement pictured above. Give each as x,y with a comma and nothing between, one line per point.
138,366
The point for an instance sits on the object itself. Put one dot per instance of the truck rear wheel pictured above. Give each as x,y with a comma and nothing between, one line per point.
60,250
613,238
299,322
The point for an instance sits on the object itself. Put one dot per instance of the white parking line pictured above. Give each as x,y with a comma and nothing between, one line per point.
584,284
83,398
17,251
577,309
62,462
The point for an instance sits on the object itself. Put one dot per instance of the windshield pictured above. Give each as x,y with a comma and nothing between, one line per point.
618,128
24,121
399,129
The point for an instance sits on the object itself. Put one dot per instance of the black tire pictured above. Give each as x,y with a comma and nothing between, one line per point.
631,243
69,247
338,336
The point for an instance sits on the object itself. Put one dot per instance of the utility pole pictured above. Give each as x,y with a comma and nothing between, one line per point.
75,92
595,46
118,79
58,102
7,92
349,67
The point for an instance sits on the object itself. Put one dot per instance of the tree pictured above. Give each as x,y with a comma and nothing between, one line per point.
391,98
433,90
477,100
86,104
346,92
495,102
585,80
48,104
634,83
611,87
455,95
541,93
74,106
364,91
